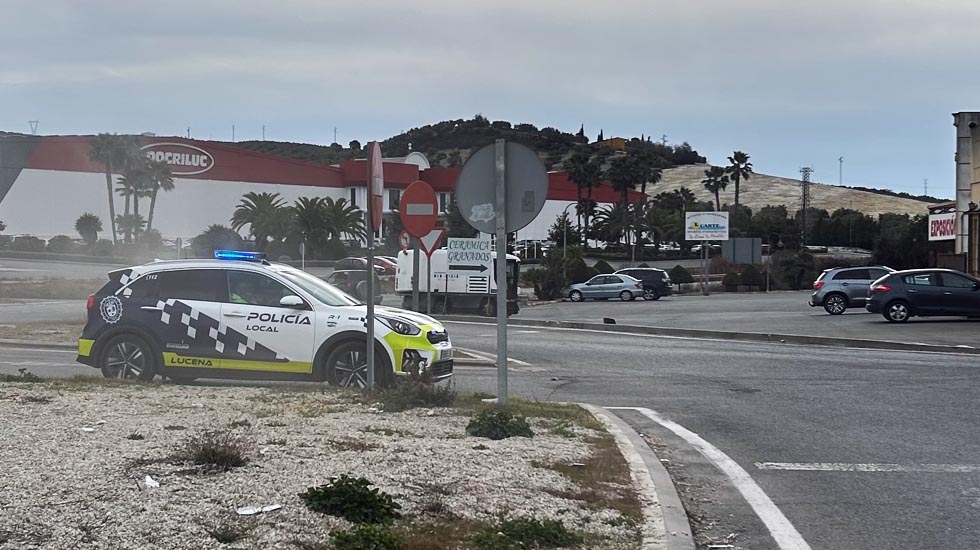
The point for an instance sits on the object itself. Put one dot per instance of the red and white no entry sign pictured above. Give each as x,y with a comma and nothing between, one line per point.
417,209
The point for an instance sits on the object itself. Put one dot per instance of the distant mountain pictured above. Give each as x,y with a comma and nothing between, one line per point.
761,190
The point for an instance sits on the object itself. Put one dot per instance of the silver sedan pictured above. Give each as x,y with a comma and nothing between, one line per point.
624,287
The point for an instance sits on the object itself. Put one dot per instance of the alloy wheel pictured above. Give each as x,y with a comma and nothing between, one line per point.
351,369
126,360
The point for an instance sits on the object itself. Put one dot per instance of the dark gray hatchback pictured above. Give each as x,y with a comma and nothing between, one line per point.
656,282
924,292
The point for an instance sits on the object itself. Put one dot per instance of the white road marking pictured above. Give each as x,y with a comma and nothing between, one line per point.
526,331
782,531
491,358
846,467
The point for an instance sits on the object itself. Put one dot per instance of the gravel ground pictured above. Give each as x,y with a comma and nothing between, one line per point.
65,487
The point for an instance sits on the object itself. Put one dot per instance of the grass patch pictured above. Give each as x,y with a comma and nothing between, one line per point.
36,399
276,424
412,392
277,442
518,534
228,533
244,423
50,289
388,432
350,444
602,480
216,449
22,376
316,408
47,331
352,499
536,409
367,537
498,423
562,428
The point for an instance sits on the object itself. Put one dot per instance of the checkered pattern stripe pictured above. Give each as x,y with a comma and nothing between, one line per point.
185,324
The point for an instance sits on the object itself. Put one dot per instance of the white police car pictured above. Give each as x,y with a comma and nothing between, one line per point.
239,316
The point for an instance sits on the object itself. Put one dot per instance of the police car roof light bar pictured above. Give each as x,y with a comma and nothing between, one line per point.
239,256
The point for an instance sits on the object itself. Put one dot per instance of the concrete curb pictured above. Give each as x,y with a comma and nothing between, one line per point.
771,338
665,521
35,344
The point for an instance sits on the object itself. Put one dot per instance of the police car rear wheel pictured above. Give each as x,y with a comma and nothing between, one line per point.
128,357
347,366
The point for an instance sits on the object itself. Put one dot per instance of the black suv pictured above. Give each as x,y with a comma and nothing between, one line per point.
656,282
354,282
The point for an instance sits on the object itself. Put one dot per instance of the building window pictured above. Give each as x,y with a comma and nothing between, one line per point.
393,197
443,202
353,196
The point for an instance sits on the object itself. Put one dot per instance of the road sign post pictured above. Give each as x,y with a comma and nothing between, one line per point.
500,190
418,212
375,179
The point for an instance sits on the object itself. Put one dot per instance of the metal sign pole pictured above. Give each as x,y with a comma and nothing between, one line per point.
370,305
428,284
704,268
415,275
501,254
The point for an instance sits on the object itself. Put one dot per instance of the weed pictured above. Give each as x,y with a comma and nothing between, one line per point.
316,408
174,428
562,428
135,436
413,392
243,423
367,537
266,412
389,432
278,442
36,399
538,409
228,533
24,376
349,444
480,447
219,449
498,423
276,424
352,499
525,533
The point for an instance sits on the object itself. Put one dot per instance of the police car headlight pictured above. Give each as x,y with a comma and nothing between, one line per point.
401,327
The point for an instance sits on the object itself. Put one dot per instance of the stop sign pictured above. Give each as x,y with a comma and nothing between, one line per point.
417,209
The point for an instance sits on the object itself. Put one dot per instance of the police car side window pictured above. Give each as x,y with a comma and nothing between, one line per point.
142,288
205,285
255,289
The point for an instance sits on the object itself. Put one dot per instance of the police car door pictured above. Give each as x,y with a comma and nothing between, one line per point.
271,337
185,315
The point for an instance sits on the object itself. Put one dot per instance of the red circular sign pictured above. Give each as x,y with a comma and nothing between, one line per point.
418,209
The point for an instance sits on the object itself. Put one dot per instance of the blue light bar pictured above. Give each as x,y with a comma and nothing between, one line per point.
239,256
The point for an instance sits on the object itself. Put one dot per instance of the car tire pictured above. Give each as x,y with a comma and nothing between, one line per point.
835,304
626,296
897,311
346,366
575,296
360,291
650,294
128,357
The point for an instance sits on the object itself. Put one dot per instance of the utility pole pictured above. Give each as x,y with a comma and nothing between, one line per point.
804,202
233,133
33,124
263,132
840,178
663,139
335,134
188,132
925,187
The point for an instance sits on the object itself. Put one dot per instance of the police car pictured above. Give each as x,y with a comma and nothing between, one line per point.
239,316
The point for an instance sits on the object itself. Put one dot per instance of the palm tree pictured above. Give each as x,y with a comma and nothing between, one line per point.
622,175
715,179
585,173
88,226
613,223
309,221
113,152
159,179
264,213
134,184
130,224
343,219
739,169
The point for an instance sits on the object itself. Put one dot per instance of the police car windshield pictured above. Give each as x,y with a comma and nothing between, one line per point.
324,292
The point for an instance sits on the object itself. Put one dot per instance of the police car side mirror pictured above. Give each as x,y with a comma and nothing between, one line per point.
291,301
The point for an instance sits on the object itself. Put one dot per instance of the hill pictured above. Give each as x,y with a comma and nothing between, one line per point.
762,190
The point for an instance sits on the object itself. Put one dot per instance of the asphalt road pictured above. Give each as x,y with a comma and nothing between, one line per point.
761,403
775,312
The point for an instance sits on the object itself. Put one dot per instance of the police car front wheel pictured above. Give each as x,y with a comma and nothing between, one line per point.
347,366
128,357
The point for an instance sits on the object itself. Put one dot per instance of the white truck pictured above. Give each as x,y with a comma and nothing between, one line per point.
456,288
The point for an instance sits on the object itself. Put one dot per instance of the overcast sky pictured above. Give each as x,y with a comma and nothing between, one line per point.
790,82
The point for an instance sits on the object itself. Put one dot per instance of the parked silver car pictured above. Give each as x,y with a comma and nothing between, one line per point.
602,287
843,287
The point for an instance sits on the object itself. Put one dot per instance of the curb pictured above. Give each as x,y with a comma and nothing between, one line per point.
36,344
772,338
665,525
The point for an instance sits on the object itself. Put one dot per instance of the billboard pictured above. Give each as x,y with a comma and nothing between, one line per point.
942,227
706,226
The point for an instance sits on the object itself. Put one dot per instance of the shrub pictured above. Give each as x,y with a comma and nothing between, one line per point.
415,392
102,248
367,537
644,264
352,499
579,272
525,533
61,244
731,280
28,244
679,275
751,277
219,449
792,269
602,267
498,423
